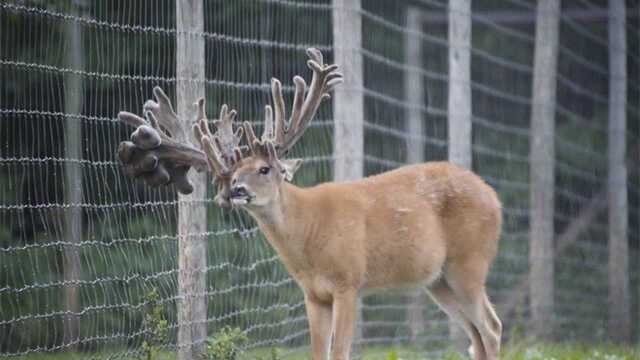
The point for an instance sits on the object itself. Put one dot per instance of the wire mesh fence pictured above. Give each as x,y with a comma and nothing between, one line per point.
86,253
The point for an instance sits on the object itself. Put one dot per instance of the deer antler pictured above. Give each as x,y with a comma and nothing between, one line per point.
154,155
159,158
283,135
222,148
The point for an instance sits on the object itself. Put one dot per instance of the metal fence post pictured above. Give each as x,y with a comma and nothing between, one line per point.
542,150
192,212
348,102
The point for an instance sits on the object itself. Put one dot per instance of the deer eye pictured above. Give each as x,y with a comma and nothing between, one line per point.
264,170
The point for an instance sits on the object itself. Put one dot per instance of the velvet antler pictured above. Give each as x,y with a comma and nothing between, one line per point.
154,155
280,135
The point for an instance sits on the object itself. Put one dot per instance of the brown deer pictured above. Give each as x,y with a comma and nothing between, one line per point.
433,224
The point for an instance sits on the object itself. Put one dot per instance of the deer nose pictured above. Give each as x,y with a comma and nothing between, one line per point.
239,191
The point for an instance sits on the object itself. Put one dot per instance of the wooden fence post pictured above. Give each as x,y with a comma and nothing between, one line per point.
542,155
619,295
73,99
348,103
414,86
414,94
192,212
459,99
459,104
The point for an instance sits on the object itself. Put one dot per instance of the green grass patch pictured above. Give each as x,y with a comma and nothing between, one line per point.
511,352
524,351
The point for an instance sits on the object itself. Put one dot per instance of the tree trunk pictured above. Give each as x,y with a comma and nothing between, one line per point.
619,296
348,105
192,212
541,170
459,107
73,91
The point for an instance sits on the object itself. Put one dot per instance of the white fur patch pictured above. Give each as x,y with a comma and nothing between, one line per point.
239,201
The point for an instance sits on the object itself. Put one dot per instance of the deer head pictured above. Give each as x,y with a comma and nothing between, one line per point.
255,180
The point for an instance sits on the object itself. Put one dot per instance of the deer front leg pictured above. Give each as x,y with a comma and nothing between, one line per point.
344,316
319,316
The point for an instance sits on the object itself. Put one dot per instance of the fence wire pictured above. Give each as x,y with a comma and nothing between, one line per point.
80,243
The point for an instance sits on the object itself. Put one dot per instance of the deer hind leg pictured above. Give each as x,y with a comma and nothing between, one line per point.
494,321
444,296
467,283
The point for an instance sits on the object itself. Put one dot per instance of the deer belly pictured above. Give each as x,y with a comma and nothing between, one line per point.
402,275
405,261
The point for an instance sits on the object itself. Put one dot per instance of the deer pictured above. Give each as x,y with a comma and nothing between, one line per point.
434,225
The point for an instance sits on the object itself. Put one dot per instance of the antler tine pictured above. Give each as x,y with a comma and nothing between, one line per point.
279,135
163,111
204,136
255,145
268,132
212,156
225,139
278,105
324,78
298,102
315,55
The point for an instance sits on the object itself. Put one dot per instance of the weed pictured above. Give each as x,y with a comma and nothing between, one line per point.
155,326
226,344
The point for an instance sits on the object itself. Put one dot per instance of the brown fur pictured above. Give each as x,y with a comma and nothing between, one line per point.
436,223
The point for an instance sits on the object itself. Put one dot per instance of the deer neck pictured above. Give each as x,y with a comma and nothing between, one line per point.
287,224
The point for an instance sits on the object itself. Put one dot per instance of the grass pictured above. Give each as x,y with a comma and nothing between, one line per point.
572,352
512,352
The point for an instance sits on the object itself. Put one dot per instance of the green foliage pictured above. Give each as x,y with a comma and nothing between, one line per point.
392,355
226,344
155,326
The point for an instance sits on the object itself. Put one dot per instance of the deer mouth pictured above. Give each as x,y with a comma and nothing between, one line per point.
241,200
241,196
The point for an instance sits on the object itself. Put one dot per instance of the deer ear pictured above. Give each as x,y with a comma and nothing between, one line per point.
289,167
